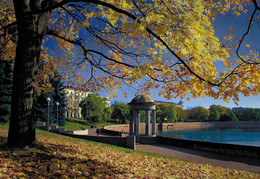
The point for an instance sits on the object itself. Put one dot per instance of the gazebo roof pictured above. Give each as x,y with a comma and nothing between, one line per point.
142,100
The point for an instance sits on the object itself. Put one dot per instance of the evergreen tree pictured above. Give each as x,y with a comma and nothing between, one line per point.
5,90
42,112
58,96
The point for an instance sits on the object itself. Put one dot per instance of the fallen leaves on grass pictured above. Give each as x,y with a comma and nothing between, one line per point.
56,156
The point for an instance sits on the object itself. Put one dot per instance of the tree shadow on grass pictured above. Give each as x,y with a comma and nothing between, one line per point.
43,161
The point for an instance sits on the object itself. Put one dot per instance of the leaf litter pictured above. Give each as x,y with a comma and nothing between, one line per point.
55,156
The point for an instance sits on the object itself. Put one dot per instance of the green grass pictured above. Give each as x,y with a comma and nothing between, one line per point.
79,124
73,124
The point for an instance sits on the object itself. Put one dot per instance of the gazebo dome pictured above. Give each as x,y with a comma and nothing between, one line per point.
141,99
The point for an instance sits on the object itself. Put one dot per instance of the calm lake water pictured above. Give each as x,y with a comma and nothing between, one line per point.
248,135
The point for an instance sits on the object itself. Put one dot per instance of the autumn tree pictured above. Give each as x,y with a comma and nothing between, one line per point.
166,44
7,52
8,31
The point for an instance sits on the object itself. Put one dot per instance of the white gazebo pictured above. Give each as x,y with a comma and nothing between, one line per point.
142,102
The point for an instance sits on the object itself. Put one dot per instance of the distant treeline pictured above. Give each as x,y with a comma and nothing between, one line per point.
171,113
247,114
220,113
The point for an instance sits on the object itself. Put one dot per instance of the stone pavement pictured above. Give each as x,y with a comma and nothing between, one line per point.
234,162
92,132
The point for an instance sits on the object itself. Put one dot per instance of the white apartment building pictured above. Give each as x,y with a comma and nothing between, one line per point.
74,97
179,104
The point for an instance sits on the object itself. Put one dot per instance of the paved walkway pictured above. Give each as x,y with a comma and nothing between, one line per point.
239,163
93,132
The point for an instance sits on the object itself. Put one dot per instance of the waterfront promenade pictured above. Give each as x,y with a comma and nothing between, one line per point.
233,162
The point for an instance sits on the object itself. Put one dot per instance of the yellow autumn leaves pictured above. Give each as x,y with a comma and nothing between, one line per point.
171,44
55,156
181,27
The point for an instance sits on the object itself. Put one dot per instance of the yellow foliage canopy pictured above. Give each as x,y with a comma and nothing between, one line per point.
166,44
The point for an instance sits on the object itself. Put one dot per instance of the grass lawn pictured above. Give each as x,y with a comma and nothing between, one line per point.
73,124
76,124
56,156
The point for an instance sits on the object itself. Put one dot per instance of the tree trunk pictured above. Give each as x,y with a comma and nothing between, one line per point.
31,29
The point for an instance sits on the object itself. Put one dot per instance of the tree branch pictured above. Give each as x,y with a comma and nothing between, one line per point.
130,15
245,34
88,51
158,38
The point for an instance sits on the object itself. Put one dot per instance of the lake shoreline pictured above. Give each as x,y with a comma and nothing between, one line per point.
186,125
239,133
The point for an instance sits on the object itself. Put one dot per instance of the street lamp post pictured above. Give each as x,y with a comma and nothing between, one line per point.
48,101
78,118
57,104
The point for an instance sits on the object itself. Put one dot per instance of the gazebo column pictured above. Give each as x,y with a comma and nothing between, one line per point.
137,123
147,122
154,123
131,132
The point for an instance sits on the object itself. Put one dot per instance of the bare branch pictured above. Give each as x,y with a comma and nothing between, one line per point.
130,15
245,34
158,38
89,51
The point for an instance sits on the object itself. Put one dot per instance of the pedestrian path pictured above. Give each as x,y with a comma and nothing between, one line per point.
234,162
93,132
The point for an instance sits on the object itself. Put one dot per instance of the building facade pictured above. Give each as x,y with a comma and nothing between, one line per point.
179,104
74,97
